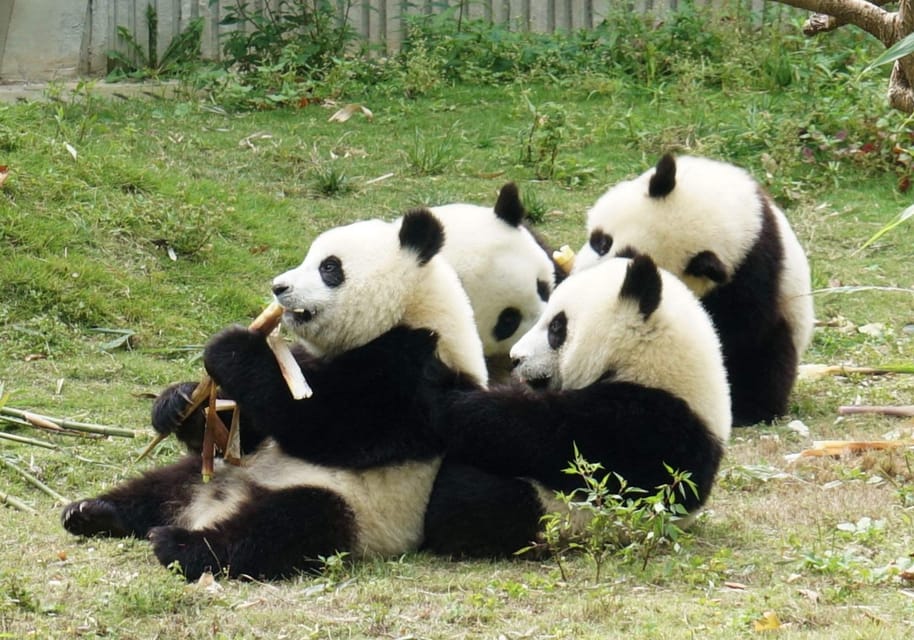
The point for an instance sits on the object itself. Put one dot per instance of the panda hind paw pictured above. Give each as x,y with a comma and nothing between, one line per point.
93,517
183,549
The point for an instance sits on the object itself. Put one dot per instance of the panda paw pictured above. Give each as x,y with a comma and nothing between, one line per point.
168,416
183,549
93,518
235,356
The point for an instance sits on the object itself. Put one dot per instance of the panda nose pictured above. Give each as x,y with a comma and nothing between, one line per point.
280,288
515,362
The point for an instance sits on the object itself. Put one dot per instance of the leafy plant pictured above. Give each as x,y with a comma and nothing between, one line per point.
182,51
544,135
429,157
617,519
315,30
329,180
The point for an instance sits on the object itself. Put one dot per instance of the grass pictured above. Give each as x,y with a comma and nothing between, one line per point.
173,216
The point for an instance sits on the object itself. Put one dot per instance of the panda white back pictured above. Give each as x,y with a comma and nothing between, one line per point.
507,275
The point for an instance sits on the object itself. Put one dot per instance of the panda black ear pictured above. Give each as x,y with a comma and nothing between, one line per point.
421,232
664,179
508,206
706,264
643,285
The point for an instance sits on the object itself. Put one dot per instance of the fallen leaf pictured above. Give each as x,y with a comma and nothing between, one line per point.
343,114
809,594
61,555
768,622
738,586
4,173
70,149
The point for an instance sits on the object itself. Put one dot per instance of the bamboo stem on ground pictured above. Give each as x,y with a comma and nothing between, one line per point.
64,432
48,422
12,501
24,440
901,411
35,481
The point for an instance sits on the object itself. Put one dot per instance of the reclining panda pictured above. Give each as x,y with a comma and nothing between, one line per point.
625,365
346,470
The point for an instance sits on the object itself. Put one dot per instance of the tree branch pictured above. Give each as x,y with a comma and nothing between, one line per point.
822,22
868,16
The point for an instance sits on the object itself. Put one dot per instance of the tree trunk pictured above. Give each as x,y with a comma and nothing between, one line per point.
886,26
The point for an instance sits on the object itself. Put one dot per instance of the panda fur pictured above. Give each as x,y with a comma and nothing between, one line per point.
505,269
625,365
711,224
348,469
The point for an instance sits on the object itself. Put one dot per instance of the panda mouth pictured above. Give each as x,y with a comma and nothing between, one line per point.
301,316
538,384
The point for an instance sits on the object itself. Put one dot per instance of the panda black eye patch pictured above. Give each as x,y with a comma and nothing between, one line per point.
601,242
558,330
331,270
507,324
543,290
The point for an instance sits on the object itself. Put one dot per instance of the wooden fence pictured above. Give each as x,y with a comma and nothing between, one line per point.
379,22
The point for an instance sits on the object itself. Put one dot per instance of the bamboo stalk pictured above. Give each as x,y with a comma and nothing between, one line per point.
64,432
24,440
901,411
12,501
35,481
40,420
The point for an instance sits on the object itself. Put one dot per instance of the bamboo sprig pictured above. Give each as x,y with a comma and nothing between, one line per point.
64,432
12,501
48,422
24,440
34,481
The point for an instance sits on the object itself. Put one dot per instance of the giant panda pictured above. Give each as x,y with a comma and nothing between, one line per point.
505,269
348,469
711,224
625,365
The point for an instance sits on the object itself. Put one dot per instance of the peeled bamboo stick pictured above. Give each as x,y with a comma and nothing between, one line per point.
35,481
901,411
12,501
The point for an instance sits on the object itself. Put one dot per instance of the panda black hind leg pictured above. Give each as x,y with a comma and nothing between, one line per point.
273,534
135,507
472,513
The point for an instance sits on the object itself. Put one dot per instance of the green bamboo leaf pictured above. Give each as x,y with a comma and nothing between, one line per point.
900,49
899,219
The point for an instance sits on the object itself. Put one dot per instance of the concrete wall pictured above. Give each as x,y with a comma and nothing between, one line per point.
43,39
59,39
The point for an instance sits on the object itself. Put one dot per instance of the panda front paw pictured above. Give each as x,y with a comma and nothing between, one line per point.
93,518
168,416
184,549
236,356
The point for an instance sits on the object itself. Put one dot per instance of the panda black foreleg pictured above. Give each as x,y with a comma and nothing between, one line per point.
761,376
476,514
136,506
274,534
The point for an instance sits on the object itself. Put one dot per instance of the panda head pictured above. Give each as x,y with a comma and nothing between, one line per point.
696,217
627,320
360,280
507,274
